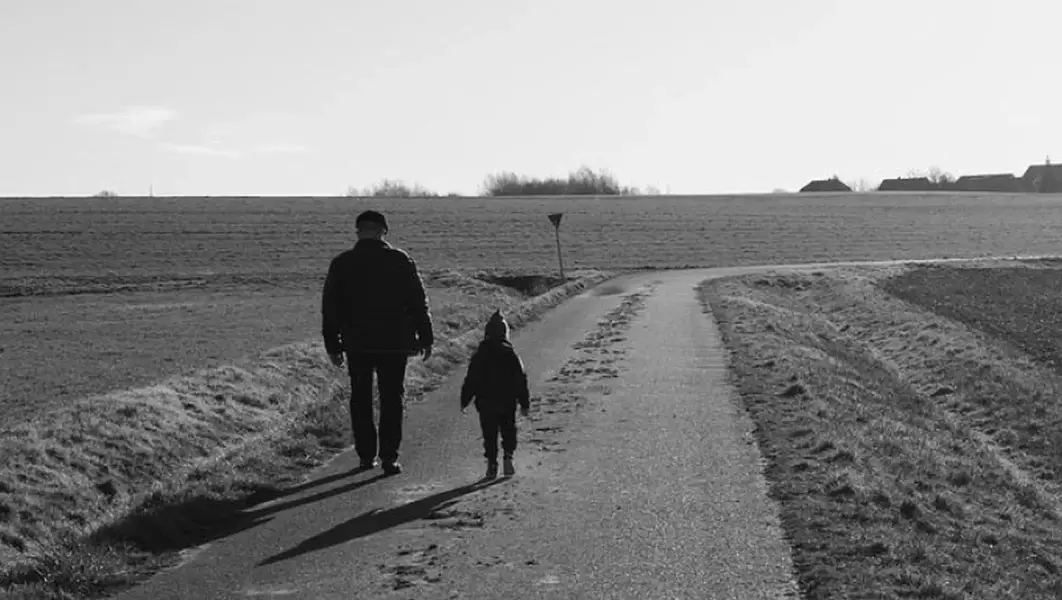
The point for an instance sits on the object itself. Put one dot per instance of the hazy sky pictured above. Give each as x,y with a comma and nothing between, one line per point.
310,97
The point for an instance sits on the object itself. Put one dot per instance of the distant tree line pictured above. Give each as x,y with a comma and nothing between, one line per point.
581,182
393,188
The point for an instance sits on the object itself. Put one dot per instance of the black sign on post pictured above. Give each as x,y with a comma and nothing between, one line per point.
555,218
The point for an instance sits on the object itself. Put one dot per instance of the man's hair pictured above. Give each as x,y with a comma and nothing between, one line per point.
371,217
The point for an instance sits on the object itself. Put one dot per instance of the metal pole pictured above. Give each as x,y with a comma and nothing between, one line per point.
560,260
555,218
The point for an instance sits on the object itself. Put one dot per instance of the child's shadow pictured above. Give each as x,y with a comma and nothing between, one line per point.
375,520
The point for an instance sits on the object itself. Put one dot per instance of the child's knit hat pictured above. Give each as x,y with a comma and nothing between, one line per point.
496,326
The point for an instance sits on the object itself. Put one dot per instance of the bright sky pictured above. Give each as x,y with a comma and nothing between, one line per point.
266,97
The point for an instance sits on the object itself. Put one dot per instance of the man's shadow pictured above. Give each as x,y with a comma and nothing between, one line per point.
376,520
261,511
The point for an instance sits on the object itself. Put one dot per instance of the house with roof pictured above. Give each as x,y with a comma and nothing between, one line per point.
832,184
910,184
1044,179
993,182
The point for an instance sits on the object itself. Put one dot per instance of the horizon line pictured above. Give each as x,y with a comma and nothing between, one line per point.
463,196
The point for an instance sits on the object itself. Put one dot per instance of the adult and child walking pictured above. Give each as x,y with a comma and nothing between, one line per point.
375,316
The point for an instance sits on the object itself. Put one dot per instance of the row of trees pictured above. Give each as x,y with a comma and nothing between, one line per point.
583,181
393,188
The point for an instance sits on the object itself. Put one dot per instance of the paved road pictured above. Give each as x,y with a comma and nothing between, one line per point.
637,478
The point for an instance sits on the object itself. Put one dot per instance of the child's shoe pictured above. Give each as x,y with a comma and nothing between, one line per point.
492,470
510,469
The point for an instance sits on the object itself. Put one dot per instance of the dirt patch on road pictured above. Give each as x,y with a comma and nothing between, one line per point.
586,374
908,418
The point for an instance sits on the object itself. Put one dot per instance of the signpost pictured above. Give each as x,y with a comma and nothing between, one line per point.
555,218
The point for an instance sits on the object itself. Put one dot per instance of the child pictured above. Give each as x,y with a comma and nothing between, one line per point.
497,380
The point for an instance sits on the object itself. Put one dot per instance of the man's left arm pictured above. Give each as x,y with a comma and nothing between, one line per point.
417,299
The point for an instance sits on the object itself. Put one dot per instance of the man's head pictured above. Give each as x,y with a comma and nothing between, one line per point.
497,327
371,225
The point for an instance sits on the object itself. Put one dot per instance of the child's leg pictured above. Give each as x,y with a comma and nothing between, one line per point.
507,424
488,423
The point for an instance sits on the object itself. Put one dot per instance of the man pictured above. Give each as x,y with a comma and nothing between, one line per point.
375,312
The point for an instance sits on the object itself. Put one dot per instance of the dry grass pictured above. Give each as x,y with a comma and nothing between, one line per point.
910,452
106,335
98,493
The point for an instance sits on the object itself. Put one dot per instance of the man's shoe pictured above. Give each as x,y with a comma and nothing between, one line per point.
510,469
492,470
391,467
367,465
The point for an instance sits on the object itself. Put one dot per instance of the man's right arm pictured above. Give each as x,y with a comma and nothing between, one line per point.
331,310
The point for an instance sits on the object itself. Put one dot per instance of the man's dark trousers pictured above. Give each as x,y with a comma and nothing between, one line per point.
492,423
390,369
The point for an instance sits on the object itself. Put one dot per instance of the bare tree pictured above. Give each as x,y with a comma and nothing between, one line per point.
861,185
939,178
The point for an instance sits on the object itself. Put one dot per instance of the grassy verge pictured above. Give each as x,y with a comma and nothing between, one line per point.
913,447
99,495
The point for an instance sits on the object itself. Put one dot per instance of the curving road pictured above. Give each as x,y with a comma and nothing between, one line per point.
637,478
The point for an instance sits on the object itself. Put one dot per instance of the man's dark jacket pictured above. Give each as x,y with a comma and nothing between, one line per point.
374,301
496,379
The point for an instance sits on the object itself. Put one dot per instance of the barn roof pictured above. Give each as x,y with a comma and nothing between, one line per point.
986,176
995,182
906,180
1036,171
829,185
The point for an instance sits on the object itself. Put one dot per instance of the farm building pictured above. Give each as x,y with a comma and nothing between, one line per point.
826,185
1045,178
995,182
900,184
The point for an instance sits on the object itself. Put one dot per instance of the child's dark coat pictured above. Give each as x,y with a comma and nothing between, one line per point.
496,379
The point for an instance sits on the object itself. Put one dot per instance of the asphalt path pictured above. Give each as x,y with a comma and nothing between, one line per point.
637,477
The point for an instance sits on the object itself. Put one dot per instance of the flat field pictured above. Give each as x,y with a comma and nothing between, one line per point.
910,420
98,294
290,237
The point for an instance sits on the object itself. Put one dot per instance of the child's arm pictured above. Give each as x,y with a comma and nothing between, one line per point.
523,392
470,386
